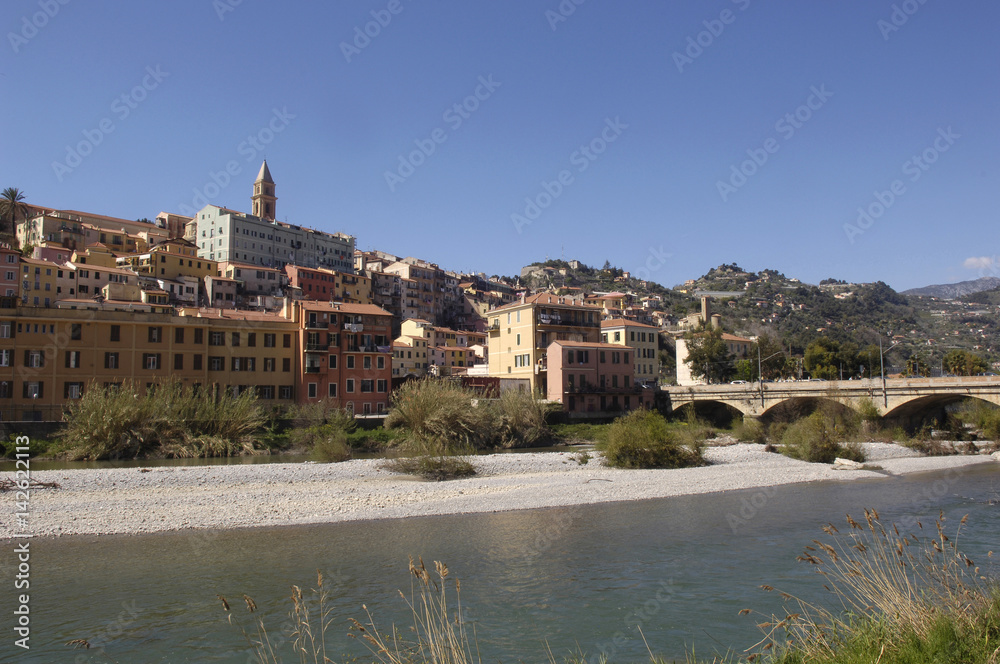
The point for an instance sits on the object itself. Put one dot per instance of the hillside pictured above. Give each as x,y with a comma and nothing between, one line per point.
956,291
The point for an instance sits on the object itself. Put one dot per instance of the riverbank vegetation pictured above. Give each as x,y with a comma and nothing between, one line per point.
899,598
172,420
643,439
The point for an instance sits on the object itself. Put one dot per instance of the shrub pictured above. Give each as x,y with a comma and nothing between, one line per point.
520,420
439,413
750,431
437,468
815,439
643,439
331,446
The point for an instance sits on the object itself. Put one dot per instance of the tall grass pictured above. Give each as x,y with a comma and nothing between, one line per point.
323,429
169,420
894,589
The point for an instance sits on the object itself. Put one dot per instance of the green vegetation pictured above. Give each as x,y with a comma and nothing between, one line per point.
643,439
819,438
579,432
171,420
709,356
323,430
963,363
906,600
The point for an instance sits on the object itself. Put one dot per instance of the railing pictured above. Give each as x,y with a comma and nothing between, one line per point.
353,327
494,327
312,370
316,347
315,324
597,389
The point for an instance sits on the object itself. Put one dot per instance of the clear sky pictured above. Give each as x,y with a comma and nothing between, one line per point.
666,137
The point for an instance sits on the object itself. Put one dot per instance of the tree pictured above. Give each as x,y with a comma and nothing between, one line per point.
12,206
709,356
821,358
771,355
917,366
963,363
869,358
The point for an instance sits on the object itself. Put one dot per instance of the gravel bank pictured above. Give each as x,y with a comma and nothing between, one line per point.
114,501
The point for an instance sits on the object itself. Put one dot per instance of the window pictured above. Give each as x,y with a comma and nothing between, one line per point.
111,360
350,385
6,330
286,364
286,341
155,335
216,338
268,364
33,390
151,361
199,335
618,336
178,335
268,340
116,332
367,385
251,339
5,390
311,390
350,361
570,357
332,390
265,391
236,339
178,362
333,361
76,332
73,390
72,359
367,362
381,362
34,358
216,363
285,392
196,361
518,342
383,385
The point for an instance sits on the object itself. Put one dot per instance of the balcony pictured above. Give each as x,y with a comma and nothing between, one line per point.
588,388
545,319
317,348
353,327
312,369
316,325
494,327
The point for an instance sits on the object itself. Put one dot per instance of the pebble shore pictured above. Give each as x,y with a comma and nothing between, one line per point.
134,500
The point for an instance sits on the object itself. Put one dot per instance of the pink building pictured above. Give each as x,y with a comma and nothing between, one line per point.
588,377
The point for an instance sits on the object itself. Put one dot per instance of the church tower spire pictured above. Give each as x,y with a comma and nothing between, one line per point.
264,200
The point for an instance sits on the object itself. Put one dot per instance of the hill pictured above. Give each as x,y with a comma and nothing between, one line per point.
956,291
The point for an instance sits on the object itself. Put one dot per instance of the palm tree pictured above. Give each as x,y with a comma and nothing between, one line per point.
12,206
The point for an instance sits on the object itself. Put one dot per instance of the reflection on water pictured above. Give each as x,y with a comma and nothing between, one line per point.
580,578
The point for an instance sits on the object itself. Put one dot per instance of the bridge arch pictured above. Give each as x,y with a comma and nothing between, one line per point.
795,408
915,411
716,411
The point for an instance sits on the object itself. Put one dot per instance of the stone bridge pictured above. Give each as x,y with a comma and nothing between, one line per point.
901,398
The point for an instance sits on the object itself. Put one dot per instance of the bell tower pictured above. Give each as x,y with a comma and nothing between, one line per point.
264,200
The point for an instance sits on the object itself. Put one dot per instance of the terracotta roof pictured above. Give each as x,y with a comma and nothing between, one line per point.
589,344
547,299
623,322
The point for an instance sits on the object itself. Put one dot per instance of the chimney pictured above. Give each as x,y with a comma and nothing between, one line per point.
706,314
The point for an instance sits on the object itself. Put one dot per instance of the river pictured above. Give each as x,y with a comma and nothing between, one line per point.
576,579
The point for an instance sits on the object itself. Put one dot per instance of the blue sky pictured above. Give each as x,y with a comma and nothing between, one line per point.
666,137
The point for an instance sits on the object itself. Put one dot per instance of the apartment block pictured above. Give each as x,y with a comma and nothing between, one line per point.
642,339
520,334
594,378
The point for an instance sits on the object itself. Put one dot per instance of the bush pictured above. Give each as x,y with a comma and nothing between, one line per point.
815,439
331,446
643,439
520,420
750,431
440,414
436,468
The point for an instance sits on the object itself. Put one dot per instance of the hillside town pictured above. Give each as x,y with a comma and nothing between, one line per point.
233,301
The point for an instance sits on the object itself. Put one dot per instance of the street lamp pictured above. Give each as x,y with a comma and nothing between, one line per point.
881,363
760,373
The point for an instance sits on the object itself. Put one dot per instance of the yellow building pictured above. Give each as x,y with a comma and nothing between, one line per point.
96,254
171,259
49,357
643,338
40,282
409,357
520,333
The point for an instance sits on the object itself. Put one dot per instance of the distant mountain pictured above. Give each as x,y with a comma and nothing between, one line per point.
955,291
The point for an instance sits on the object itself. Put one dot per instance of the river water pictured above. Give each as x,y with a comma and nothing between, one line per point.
577,579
